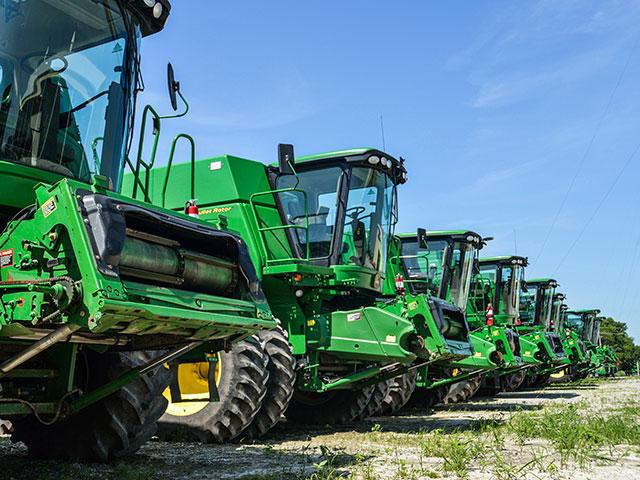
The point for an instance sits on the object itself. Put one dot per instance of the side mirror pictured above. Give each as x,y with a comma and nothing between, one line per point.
174,87
476,267
422,238
286,159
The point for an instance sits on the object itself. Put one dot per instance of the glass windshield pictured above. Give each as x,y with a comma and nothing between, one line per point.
510,289
555,317
546,306
588,326
369,218
528,305
363,214
460,268
595,335
321,188
424,266
66,86
482,288
574,322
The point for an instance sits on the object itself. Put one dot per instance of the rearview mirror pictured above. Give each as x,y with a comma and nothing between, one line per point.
422,238
286,158
174,87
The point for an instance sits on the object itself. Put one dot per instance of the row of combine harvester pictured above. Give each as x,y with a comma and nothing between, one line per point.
216,297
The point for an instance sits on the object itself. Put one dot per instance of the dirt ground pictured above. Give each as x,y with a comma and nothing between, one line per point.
442,443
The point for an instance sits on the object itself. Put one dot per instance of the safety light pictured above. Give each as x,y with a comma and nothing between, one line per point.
374,160
399,284
518,322
489,315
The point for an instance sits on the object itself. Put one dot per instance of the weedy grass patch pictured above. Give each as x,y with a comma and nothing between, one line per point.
457,449
577,433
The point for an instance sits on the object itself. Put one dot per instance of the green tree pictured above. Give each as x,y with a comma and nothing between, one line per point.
615,334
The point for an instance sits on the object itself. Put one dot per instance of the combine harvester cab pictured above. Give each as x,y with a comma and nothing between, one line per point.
318,229
493,314
537,339
580,327
573,345
435,270
91,281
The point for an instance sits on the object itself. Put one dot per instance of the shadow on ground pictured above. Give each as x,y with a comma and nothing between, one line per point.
487,407
537,395
160,460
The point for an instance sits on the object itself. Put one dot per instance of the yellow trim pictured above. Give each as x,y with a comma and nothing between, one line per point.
193,381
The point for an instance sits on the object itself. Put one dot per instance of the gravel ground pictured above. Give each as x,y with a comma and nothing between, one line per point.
395,447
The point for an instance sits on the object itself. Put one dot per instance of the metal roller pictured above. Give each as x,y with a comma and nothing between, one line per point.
151,261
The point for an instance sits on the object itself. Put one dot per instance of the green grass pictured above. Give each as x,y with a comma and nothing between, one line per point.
457,450
576,433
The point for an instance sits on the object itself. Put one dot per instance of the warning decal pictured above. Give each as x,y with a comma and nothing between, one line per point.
6,258
48,207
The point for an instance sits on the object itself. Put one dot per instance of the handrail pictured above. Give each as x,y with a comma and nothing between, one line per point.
192,142
157,121
262,230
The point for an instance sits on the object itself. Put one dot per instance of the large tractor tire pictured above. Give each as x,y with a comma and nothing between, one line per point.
337,407
541,380
241,377
428,397
511,383
402,387
462,391
280,386
111,428
374,406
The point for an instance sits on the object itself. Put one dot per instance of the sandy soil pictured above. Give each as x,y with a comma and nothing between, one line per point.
383,447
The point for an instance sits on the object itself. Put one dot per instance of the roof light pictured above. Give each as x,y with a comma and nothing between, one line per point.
149,3
374,160
157,10
385,162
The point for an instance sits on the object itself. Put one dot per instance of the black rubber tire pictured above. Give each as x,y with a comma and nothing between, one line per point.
242,387
374,406
402,387
114,427
427,397
280,386
462,391
529,381
336,407
541,380
511,383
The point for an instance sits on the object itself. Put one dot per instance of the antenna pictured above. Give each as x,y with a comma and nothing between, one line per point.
515,241
384,146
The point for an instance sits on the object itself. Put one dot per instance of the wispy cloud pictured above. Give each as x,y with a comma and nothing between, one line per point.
522,51
508,87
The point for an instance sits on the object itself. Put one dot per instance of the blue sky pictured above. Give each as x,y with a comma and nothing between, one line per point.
517,119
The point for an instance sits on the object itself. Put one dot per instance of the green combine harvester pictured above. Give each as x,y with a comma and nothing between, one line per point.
579,327
605,360
437,268
537,340
493,314
318,230
97,291
574,347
